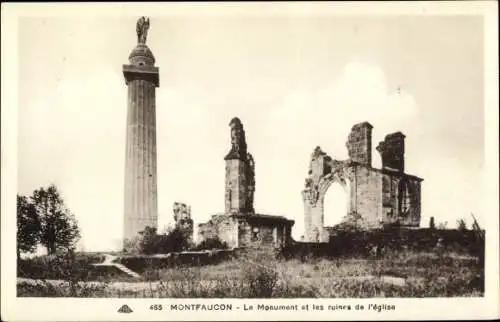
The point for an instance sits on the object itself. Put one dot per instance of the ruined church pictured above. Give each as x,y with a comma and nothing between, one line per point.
378,196
240,225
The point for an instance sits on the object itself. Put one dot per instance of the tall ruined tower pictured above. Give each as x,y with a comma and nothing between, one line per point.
392,151
240,172
142,78
359,143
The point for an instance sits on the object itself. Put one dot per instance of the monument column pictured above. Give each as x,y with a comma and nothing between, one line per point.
142,78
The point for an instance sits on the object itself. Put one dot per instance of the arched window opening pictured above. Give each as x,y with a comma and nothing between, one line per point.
335,204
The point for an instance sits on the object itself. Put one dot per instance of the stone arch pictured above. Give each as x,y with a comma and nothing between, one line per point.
323,172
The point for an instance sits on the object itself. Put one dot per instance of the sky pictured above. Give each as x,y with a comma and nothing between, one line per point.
295,82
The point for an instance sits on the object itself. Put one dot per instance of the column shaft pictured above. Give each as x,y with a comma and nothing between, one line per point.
140,167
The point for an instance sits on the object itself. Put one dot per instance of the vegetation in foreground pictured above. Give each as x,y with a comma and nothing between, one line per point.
43,219
423,263
260,275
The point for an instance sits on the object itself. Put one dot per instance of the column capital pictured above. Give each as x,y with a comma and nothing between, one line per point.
149,73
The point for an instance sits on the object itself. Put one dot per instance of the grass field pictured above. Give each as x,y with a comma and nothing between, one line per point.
256,275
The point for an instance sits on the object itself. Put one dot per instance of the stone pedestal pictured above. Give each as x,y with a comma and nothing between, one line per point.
142,79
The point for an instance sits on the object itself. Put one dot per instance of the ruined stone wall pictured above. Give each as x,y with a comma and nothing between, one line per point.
368,197
414,215
389,197
308,216
287,238
392,151
401,199
380,196
257,234
227,231
254,235
313,218
236,186
240,173
221,226
241,231
359,143
239,226
206,231
319,166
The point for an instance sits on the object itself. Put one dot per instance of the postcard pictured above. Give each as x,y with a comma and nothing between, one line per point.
250,161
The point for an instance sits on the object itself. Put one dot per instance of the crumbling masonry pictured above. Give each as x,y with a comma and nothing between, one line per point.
239,225
240,172
380,196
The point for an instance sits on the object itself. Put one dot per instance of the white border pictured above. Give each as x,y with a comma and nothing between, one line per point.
106,309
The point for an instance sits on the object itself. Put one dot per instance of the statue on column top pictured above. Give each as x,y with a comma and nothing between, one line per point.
142,30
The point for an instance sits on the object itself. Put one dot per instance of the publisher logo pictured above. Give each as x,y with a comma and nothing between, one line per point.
125,309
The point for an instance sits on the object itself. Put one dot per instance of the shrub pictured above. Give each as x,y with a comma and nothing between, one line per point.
261,281
211,243
44,288
391,239
142,263
175,241
150,242
352,222
132,245
69,266
256,276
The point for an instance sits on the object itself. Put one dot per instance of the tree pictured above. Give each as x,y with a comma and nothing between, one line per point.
59,228
175,241
28,226
148,243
